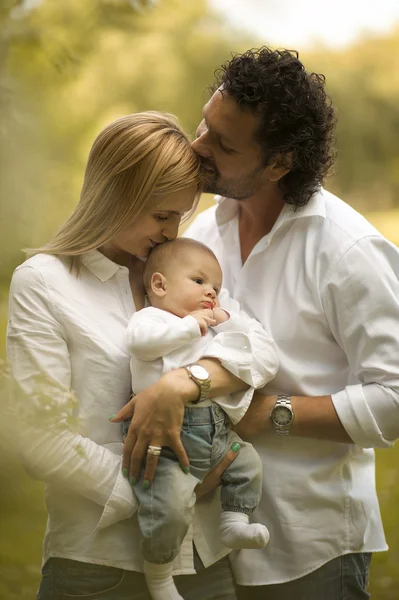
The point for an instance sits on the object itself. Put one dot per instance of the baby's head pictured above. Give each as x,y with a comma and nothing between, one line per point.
182,276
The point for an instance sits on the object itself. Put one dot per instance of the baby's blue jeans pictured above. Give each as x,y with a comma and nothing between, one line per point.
167,507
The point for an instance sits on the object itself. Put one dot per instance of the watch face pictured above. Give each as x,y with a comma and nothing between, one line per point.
199,372
282,416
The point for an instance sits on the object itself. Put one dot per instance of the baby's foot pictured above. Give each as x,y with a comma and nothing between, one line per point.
160,581
236,531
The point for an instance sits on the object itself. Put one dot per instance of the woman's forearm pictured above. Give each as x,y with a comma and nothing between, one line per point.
222,381
77,464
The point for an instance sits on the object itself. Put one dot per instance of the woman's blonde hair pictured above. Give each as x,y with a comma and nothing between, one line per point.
132,159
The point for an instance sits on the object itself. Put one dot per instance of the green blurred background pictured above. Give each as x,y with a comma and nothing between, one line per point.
68,67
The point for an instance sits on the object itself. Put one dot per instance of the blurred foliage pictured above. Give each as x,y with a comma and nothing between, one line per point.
67,67
70,67
363,81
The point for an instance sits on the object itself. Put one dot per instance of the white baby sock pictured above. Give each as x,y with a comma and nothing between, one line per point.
237,532
160,581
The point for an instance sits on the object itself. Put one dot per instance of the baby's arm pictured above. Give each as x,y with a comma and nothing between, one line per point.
153,333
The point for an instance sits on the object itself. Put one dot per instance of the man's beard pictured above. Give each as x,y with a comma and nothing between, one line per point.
238,189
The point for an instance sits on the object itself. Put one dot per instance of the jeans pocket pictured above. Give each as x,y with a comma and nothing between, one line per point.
85,580
367,561
45,591
356,575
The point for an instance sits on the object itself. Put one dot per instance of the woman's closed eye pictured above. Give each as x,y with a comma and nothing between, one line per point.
226,150
161,217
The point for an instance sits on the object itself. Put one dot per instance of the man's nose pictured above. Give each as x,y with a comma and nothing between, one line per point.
201,144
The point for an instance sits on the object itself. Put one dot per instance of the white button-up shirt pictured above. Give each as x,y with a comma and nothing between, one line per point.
324,282
72,330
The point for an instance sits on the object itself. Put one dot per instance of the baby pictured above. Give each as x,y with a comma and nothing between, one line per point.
184,323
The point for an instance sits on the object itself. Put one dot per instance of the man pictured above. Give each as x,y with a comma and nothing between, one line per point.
325,283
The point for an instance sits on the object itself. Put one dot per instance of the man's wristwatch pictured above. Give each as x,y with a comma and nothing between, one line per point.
282,415
200,375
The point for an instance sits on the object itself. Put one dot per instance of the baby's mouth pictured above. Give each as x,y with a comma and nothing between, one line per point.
210,304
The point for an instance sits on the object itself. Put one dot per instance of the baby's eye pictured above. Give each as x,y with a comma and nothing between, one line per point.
199,280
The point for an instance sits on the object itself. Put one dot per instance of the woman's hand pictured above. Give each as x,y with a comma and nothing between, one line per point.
213,479
157,417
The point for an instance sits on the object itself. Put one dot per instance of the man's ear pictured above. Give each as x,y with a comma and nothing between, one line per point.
158,285
280,166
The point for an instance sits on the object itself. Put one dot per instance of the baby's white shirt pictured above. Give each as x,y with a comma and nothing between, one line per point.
159,342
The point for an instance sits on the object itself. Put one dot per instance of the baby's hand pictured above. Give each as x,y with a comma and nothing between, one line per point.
204,319
220,315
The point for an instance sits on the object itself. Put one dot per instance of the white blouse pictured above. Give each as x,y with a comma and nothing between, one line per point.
72,330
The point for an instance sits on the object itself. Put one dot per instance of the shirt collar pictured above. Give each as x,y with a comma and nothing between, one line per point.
101,266
227,209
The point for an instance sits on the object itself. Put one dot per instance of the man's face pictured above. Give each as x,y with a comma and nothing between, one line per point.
226,142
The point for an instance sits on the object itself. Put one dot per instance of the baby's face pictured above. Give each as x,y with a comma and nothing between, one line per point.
193,283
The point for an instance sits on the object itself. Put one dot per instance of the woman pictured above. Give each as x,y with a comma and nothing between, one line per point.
69,307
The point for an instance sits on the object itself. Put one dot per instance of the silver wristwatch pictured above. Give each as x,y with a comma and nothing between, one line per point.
282,415
200,375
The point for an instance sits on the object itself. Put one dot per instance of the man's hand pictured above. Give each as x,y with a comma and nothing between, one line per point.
204,319
213,479
157,417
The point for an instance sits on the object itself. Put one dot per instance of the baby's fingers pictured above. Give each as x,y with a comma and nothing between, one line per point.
210,320
203,326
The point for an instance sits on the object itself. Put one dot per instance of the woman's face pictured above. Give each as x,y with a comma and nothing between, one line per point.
158,223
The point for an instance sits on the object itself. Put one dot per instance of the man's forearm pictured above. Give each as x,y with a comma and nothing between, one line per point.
314,417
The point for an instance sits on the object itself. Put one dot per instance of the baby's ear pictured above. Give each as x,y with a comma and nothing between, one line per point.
158,285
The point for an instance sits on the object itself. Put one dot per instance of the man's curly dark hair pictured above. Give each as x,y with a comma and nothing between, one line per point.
296,115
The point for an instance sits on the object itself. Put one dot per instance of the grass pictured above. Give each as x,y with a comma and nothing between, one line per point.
384,578
22,511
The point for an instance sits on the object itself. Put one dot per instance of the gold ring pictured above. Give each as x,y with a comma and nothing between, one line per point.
154,450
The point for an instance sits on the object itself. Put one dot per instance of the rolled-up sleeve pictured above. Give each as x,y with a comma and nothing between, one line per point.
361,302
38,353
